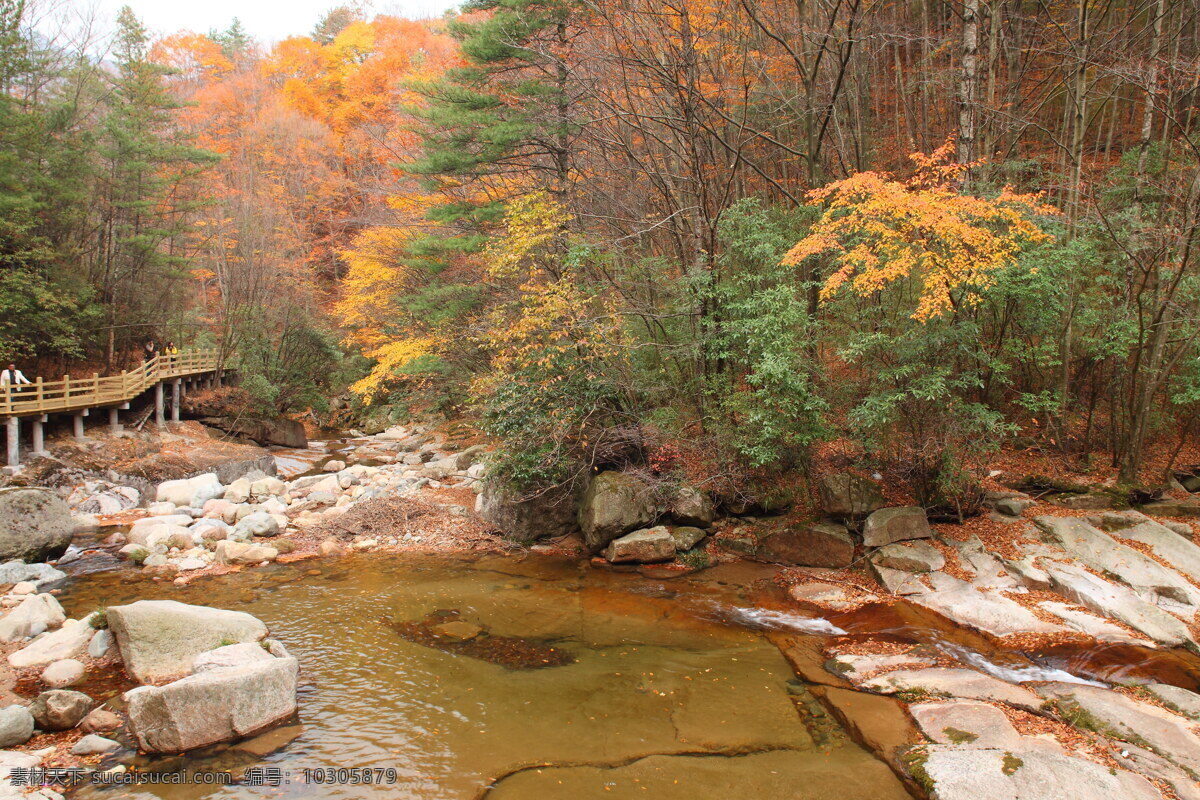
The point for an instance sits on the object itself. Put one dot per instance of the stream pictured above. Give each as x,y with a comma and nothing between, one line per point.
640,691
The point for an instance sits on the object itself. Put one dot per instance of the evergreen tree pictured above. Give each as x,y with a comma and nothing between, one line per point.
146,162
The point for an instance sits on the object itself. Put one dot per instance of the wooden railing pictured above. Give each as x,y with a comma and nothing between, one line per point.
70,394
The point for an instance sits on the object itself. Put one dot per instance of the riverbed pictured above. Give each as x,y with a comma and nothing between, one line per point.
555,680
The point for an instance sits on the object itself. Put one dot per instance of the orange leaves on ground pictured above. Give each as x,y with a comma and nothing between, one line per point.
877,230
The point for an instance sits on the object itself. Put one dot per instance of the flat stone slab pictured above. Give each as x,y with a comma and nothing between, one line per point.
969,773
985,610
965,722
1103,553
1168,545
855,667
953,682
1166,733
1187,703
1119,603
1091,625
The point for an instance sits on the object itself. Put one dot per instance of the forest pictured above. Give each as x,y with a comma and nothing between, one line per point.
725,240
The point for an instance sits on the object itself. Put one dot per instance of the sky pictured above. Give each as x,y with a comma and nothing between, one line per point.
266,20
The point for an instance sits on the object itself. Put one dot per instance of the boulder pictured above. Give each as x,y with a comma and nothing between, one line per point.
36,573
846,495
99,643
60,709
469,458
229,471
820,544
691,507
160,639
686,538
100,719
35,615
283,432
230,552
642,547
265,488
64,673
259,523
192,492
333,465
69,641
898,524
16,726
35,524
332,547
527,519
614,504
93,745
911,557
215,705
237,492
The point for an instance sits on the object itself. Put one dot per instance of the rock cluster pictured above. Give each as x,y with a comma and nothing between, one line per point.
212,676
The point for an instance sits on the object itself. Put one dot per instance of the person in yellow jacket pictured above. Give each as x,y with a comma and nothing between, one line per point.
171,352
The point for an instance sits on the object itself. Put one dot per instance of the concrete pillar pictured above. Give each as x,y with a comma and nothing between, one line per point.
160,418
77,423
39,438
14,442
114,421
175,386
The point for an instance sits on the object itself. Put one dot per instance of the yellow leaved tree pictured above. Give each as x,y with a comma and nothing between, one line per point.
877,229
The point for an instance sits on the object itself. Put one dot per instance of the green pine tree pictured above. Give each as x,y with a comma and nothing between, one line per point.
145,164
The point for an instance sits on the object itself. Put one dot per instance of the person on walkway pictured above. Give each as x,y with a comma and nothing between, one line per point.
149,351
13,377
171,352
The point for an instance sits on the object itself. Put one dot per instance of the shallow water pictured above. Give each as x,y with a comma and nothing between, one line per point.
670,691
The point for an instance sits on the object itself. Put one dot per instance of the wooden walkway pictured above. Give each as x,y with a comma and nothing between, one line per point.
77,396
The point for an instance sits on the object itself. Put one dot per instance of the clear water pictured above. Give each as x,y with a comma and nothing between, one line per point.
672,692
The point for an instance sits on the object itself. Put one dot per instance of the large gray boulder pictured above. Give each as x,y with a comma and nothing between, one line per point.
160,639
60,709
642,547
821,544
527,519
614,504
846,495
35,524
219,704
899,524
16,726
691,507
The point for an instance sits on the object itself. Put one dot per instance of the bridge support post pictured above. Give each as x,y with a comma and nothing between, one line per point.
39,439
14,441
175,386
77,423
160,418
114,421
